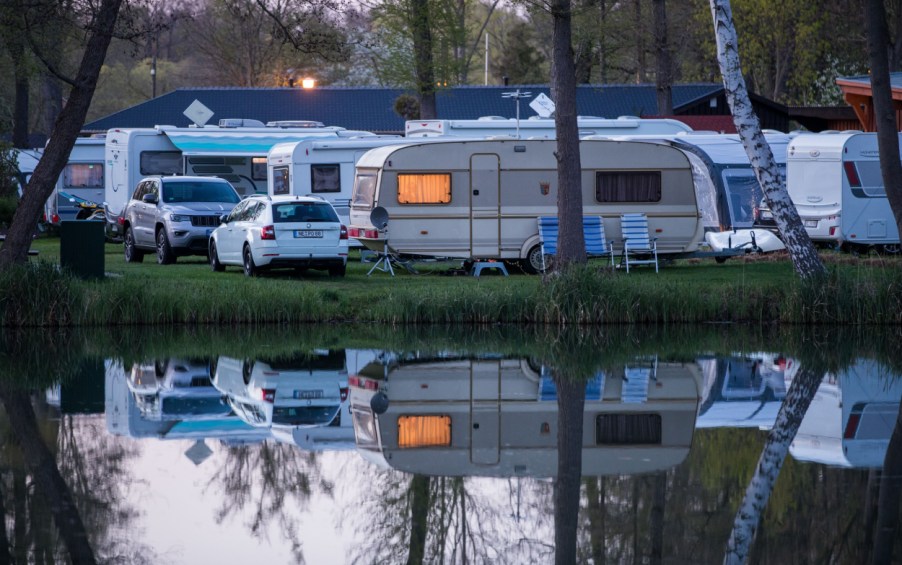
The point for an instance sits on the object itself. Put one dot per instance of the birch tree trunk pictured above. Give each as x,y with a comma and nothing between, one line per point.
804,256
884,112
65,130
571,242
789,418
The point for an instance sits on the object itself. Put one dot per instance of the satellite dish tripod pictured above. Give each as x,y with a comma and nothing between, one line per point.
379,218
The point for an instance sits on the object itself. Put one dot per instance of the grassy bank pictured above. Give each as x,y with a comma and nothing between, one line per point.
858,291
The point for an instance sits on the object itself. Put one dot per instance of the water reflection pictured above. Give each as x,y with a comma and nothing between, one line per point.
361,444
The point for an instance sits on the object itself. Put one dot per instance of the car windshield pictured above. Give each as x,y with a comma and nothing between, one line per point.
198,191
303,212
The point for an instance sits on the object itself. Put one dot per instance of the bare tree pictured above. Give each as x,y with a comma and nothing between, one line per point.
421,29
571,243
100,28
884,111
804,256
663,61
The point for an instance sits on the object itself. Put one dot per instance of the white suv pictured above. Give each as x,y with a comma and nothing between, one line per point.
174,216
263,232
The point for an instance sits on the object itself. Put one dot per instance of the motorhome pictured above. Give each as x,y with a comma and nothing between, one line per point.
497,416
540,128
82,180
851,417
834,181
26,161
234,151
320,167
480,199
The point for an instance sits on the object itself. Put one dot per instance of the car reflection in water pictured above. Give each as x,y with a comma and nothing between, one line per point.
743,390
299,391
170,399
851,418
498,417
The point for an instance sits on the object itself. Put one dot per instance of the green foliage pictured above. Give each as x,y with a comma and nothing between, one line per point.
38,294
9,168
8,206
407,106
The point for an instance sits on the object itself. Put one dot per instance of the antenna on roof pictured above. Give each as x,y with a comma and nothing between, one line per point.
517,95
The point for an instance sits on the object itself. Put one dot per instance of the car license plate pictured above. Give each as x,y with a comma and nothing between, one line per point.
810,223
308,394
308,233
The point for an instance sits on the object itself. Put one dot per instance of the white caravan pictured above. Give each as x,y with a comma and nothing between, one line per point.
26,161
497,416
321,167
234,153
82,180
834,181
540,128
480,199
851,418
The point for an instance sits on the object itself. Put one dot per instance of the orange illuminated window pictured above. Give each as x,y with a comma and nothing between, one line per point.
434,188
424,431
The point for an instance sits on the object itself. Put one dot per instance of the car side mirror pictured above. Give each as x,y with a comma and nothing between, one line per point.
150,198
224,219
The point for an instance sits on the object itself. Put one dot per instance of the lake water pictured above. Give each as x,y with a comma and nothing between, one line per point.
367,444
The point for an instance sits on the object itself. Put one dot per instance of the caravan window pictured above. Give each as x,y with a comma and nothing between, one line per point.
628,186
161,162
364,190
744,193
325,178
280,181
424,188
83,175
258,168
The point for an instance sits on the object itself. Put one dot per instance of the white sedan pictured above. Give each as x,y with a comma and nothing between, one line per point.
263,232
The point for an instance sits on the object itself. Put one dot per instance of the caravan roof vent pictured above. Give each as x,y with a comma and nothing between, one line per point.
240,123
628,118
295,124
489,118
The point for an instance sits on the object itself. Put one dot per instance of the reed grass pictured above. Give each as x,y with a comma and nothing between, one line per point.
864,292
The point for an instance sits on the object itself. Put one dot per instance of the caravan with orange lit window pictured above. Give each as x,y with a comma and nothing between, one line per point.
480,199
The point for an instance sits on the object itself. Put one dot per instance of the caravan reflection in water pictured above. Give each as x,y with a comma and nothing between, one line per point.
499,417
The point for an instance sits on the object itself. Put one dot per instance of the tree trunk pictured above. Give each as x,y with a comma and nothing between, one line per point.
888,499
419,512
5,557
571,242
884,112
571,400
789,418
663,63
640,43
420,28
595,503
657,517
48,481
65,130
16,47
804,256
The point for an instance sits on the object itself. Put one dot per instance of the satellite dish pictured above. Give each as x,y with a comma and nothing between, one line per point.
379,217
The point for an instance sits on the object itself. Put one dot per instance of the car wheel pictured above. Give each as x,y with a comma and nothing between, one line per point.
338,271
165,256
250,269
534,264
214,259
132,254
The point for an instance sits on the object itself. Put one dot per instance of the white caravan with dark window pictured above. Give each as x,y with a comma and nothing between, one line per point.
81,179
834,181
541,128
481,199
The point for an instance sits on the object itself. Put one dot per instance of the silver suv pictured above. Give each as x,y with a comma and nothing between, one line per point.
174,216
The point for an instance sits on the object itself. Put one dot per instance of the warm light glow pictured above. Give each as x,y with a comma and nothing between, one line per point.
308,83
424,431
424,188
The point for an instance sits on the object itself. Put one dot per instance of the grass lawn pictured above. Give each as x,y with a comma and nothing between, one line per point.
747,289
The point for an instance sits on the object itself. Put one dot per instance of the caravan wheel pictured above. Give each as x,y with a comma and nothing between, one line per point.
534,264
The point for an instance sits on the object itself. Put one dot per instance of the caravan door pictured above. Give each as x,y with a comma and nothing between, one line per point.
485,221
485,412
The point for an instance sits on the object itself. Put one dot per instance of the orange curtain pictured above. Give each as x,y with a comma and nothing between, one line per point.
424,188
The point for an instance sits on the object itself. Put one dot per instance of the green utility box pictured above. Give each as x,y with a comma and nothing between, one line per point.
82,248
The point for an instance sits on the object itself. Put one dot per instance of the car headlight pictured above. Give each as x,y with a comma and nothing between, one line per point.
179,218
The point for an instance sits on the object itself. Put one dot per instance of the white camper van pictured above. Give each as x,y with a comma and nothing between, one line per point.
236,153
834,181
541,128
480,199
82,180
497,416
26,161
321,167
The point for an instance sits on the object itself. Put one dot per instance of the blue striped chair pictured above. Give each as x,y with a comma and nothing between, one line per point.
638,248
593,233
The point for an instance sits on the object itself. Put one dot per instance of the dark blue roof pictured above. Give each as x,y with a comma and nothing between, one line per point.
371,108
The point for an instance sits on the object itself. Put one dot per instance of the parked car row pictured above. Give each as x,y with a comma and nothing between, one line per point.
179,216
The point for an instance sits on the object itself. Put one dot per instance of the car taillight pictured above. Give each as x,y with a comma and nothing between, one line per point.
268,232
832,230
268,395
344,393
852,425
55,219
120,220
343,234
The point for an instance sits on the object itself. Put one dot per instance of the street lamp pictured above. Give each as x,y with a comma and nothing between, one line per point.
517,95
308,83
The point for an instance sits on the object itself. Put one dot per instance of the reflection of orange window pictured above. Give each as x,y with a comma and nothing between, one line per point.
424,431
424,188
